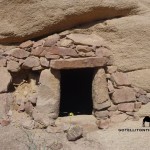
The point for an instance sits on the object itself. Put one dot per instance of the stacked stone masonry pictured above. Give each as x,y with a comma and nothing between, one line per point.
114,98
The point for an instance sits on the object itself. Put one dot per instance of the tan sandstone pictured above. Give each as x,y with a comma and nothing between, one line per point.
79,63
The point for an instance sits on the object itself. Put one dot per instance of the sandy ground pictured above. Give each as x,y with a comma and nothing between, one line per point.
14,138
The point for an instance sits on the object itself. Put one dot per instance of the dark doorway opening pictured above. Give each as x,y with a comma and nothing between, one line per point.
76,92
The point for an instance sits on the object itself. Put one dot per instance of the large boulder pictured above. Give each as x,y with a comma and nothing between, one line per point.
36,18
5,79
140,78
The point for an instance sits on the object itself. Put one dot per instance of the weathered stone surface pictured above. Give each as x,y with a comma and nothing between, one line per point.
65,42
31,22
79,63
101,106
4,122
120,78
144,99
33,98
26,44
111,69
5,102
64,33
103,123
130,114
81,54
20,53
51,56
125,94
82,48
103,52
49,92
74,133
31,62
62,51
114,113
119,118
51,129
148,95
142,92
90,54
5,79
28,108
126,107
101,114
37,68
113,107
140,78
3,62
144,111
51,40
137,105
28,124
44,62
38,43
83,39
99,87
19,108
41,118
37,51
13,66
56,146
110,87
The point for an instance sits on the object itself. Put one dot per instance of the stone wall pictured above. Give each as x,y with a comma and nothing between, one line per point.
38,92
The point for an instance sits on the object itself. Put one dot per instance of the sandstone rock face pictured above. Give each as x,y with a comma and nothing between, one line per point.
82,39
140,78
5,79
49,92
124,94
19,27
99,87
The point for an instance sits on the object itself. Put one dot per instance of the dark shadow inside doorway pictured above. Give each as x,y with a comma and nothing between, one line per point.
76,92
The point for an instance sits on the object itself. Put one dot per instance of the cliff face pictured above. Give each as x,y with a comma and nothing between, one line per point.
22,20
124,24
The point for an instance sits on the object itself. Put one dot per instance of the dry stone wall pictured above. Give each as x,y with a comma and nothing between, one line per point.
114,98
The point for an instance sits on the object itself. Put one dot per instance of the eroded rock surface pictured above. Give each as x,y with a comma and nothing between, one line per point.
5,79
37,18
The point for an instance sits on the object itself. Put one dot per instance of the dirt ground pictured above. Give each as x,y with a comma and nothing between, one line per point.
15,138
